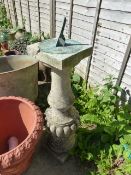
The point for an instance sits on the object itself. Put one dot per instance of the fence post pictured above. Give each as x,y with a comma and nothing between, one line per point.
38,5
8,11
98,8
14,13
52,18
124,63
70,18
28,6
23,25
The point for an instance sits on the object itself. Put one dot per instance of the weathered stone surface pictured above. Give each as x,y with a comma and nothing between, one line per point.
33,49
19,76
67,130
62,118
61,61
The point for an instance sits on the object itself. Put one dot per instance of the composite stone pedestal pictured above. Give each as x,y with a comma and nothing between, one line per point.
62,117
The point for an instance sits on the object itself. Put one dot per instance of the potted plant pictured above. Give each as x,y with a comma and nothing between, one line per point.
20,129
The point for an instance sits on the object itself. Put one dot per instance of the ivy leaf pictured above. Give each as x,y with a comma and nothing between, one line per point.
112,108
76,78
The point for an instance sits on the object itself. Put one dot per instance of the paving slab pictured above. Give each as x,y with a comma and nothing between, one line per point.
44,163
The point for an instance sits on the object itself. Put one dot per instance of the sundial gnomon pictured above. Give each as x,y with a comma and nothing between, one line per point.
60,45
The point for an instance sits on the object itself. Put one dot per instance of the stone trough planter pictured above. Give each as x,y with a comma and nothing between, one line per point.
19,76
19,118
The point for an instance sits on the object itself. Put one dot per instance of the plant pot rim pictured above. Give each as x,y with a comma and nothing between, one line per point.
31,138
34,61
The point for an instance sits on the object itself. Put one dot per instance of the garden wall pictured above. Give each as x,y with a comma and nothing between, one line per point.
105,24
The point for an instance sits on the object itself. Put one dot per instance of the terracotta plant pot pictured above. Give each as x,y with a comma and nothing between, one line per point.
20,118
4,46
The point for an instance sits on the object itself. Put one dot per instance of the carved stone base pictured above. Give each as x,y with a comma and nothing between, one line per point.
60,157
61,145
62,126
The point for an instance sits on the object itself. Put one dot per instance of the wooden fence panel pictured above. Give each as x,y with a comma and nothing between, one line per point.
82,26
26,14
19,12
45,16
113,33
62,10
110,37
11,6
33,6
7,9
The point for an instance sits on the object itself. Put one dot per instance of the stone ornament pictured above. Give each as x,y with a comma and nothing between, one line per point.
17,160
62,118
68,121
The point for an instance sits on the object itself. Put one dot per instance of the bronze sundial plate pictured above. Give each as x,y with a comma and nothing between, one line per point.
60,57
49,46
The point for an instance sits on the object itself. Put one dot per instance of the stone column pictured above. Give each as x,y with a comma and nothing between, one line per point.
62,117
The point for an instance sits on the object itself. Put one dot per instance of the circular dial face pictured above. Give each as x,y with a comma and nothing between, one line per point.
49,46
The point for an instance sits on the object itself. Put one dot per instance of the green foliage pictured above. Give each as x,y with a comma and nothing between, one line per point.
33,38
7,33
105,128
4,25
28,38
4,21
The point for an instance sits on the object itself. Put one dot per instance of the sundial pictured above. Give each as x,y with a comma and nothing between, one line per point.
61,52
62,118
60,45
